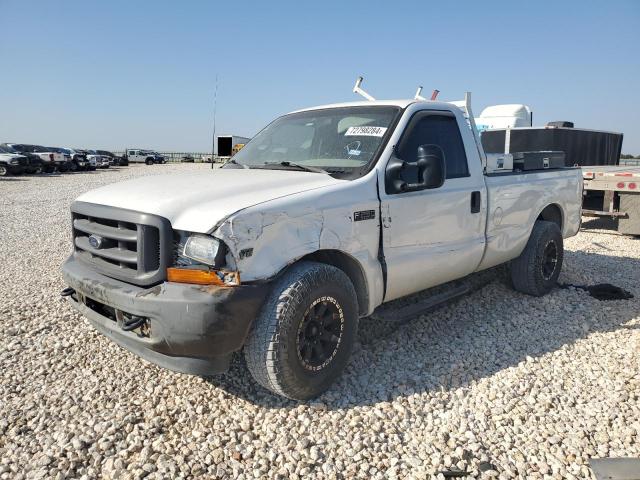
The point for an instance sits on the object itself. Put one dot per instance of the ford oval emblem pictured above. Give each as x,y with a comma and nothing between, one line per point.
95,241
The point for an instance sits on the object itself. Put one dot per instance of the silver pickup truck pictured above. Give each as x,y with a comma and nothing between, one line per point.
322,217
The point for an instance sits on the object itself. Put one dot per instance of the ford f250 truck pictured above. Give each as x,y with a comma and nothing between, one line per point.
322,217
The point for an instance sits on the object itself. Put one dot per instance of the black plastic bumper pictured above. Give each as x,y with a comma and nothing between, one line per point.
189,328
15,169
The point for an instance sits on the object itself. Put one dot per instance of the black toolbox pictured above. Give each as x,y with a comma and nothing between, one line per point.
538,160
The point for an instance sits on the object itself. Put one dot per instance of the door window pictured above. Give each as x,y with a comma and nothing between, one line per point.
438,129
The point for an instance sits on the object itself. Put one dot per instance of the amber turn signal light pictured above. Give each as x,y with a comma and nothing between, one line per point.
202,277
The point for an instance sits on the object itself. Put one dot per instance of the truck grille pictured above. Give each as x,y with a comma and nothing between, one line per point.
130,246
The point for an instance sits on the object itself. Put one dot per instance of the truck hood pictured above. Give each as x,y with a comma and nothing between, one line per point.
197,202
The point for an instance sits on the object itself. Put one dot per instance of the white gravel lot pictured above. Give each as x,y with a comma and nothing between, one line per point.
499,384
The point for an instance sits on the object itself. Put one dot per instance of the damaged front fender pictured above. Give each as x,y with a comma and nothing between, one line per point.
265,239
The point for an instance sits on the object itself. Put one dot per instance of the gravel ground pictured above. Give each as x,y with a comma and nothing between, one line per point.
499,384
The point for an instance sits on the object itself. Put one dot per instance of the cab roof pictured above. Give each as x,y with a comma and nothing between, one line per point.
383,103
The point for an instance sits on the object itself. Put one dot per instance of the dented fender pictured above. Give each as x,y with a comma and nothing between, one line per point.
264,239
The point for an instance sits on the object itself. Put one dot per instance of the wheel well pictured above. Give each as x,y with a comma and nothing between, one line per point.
350,267
552,213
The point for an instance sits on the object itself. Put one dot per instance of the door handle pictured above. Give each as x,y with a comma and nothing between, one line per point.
475,202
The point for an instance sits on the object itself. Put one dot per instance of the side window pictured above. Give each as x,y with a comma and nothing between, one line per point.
132,152
441,130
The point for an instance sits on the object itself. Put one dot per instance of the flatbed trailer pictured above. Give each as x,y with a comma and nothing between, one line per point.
613,191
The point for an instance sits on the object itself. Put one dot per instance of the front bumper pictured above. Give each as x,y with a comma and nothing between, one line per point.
15,169
189,328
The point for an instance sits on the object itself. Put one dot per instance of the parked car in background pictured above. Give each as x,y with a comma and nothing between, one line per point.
77,159
188,159
34,162
136,155
67,155
68,166
11,162
114,159
51,161
91,159
102,161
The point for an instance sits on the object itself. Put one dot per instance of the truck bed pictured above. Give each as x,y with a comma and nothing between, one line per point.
514,201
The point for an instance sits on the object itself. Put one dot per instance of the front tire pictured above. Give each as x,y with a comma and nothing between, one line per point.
303,337
536,271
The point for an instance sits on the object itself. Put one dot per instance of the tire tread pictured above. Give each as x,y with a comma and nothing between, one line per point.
261,352
524,269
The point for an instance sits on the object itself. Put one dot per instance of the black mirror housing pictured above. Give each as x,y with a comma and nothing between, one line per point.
431,165
431,170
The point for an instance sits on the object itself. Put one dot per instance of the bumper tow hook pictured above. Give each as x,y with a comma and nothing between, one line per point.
67,291
133,323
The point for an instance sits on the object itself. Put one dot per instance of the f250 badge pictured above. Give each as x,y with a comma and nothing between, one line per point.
95,241
364,215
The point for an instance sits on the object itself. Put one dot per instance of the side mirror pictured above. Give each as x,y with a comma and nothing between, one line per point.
431,166
431,170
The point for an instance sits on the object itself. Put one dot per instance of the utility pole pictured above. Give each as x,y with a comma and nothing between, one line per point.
215,105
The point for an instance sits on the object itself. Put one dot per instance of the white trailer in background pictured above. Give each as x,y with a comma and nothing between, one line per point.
613,191
504,116
226,143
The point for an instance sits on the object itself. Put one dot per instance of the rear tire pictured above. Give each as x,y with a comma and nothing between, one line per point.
536,271
4,171
148,161
303,337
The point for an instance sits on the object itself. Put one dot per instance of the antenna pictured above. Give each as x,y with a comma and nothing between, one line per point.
215,105
434,95
360,91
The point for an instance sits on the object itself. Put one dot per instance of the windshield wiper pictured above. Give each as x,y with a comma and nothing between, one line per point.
306,168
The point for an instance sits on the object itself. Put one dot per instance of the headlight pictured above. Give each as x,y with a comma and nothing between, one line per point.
14,161
201,248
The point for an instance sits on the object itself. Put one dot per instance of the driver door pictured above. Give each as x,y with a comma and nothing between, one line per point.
432,236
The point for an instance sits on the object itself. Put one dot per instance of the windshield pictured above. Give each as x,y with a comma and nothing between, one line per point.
7,149
341,140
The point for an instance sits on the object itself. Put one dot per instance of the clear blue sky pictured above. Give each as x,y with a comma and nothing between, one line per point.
123,73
